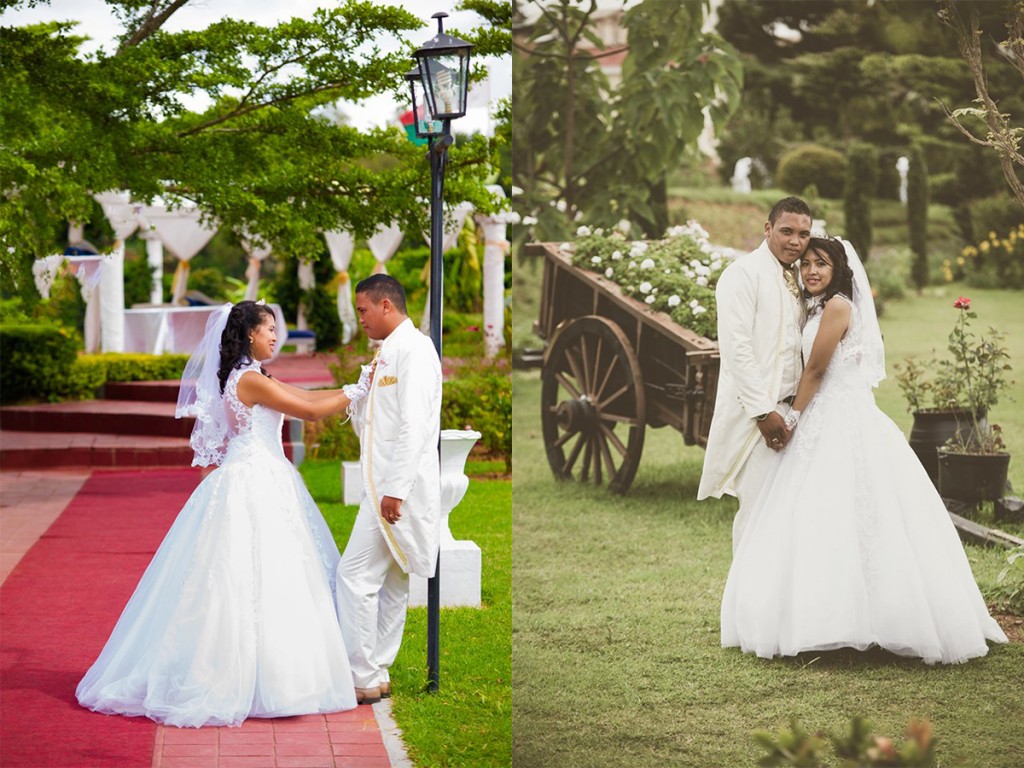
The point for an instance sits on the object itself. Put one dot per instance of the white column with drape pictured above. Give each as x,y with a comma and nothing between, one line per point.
121,214
341,245
256,254
384,244
453,225
496,248
306,281
183,234
89,270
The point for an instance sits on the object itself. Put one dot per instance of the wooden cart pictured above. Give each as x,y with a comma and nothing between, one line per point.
612,367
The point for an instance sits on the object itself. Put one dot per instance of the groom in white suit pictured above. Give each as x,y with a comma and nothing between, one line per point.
760,314
396,531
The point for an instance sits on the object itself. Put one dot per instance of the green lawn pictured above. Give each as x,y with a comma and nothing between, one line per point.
468,722
616,634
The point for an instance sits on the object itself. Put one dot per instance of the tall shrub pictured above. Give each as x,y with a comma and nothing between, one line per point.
917,215
861,182
809,164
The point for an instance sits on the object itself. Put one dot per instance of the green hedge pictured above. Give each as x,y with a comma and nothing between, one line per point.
35,360
812,164
41,362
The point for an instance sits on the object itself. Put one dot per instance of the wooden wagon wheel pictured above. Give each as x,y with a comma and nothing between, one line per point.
592,404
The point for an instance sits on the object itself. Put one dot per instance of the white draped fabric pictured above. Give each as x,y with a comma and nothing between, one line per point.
496,246
183,234
306,281
256,253
121,214
341,245
384,244
155,258
88,270
44,272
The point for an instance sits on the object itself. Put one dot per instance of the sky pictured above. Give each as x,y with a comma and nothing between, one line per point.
98,23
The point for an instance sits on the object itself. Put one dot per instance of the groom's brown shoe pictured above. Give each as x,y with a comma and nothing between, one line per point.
385,690
368,695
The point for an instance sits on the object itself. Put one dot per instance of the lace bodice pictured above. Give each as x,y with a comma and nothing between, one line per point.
256,428
844,375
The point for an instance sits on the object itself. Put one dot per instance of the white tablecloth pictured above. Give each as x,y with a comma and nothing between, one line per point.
172,329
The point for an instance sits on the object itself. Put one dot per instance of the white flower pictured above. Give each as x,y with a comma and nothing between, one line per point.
609,272
649,299
645,287
616,255
623,226
694,264
703,270
582,231
694,303
674,301
638,249
632,265
699,311
701,281
560,205
716,265
565,247
529,220
599,231
647,264
578,216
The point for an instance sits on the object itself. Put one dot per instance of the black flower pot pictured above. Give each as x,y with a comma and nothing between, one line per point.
972,476
931,430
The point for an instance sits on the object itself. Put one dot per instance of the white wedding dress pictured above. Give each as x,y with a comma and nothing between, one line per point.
235,616
848,543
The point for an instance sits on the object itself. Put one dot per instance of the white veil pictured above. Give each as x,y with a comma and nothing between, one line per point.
872,362
200,395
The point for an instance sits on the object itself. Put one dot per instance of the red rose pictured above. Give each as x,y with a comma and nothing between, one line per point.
962,303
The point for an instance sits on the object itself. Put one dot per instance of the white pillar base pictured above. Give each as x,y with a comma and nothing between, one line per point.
460,577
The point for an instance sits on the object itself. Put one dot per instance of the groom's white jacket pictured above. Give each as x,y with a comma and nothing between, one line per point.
756,325
399,425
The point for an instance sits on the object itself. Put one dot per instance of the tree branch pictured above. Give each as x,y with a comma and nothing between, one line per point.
153,21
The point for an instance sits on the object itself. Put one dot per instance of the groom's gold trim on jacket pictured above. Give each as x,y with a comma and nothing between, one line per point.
369,478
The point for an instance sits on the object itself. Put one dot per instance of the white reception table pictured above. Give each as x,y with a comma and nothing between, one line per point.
173,329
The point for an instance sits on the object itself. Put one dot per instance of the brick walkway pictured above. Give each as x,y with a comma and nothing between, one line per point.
364,737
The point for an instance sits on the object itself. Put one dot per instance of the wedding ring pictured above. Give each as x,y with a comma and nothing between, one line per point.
775,439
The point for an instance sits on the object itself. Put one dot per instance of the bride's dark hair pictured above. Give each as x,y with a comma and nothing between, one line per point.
842,275
235,349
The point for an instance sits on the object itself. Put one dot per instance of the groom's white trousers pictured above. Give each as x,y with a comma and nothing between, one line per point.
373,595
748,482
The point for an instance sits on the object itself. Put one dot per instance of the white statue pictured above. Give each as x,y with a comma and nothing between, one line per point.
741,176
903,165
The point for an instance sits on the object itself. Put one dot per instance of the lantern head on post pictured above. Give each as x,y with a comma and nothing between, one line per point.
444,72
425,125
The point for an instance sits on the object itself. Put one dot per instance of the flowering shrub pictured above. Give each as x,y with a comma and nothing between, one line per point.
676,275
971,379
997,262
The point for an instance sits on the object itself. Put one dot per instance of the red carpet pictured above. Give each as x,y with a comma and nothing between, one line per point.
57,609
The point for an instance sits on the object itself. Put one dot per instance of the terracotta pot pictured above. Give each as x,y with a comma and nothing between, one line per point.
932,428
972,476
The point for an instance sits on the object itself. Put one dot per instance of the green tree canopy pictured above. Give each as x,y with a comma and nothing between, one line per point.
260,155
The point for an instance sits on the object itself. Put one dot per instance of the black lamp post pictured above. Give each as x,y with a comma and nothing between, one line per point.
443,74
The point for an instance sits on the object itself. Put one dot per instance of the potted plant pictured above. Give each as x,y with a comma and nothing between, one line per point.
951,397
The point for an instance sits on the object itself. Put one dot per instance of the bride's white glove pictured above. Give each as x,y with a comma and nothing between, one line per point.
359,390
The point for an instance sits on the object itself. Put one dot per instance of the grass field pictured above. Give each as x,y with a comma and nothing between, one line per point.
616,631
616,634
468,721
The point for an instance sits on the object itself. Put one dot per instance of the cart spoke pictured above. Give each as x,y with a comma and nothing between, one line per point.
614,396
587,383
564,381
588,455
604,382
607,456
573,455
614,439
595,438
564,438
574,365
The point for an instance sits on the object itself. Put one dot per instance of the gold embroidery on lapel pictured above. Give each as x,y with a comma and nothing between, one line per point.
387,381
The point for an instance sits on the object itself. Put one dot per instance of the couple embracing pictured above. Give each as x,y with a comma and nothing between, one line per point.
247,609
840,539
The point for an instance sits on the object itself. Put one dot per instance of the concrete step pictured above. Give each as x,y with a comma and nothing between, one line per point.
48,450
146,391
112,417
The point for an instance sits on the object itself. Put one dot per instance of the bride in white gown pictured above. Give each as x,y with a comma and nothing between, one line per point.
849,544
235,616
